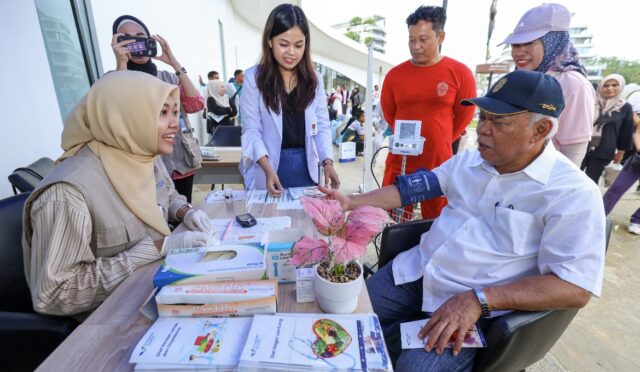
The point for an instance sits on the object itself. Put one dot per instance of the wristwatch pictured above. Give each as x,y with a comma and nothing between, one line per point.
484,305
189,206
182,70
327,161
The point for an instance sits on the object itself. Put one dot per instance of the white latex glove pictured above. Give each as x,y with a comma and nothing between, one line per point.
185,239
197,220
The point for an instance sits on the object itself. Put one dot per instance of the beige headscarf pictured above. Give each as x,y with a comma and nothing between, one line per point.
118,120
605,106
213,89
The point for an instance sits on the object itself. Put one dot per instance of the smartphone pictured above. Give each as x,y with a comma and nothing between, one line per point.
141,46
246,220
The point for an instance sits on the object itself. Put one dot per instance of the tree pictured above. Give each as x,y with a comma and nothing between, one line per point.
369,21
368,40
353,36
630,70
355,21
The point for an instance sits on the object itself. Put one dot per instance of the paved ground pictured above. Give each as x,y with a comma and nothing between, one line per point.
604,335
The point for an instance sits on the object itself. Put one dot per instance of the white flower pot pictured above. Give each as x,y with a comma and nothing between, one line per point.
337,298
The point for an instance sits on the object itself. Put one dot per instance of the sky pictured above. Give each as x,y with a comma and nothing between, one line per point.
612,24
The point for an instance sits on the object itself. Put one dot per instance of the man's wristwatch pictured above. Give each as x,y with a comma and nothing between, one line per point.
327,162
182,70
484,305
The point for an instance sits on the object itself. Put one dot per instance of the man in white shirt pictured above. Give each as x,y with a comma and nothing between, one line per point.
524,228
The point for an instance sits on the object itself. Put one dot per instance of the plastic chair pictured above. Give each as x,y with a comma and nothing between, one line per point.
515,340
29,337
225,136
26,178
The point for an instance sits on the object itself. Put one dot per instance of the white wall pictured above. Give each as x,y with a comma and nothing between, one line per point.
31,122
191,28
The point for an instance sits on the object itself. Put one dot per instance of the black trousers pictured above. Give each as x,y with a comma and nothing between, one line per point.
594,167
184,186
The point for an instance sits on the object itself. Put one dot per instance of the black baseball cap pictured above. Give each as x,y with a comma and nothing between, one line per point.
522,91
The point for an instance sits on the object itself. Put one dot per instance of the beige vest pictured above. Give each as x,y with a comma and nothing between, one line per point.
114,227
164,187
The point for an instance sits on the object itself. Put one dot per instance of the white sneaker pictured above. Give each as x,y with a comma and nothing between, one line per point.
634,228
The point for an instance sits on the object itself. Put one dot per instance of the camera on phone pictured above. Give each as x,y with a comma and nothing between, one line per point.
141,46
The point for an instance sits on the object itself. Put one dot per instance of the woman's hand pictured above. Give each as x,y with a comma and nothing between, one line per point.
167,55
274,187
331,176
121,52
617,158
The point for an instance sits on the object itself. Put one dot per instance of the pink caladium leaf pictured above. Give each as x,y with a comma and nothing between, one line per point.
345,250
308,251
364,223
327,215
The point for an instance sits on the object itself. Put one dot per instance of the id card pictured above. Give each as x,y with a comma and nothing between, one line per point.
314,129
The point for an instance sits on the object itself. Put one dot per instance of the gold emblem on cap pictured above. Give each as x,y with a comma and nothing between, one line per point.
548,106
499,85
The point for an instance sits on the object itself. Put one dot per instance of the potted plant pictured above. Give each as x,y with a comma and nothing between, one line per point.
338,275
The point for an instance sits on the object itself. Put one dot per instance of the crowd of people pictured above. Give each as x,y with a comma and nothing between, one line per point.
518,225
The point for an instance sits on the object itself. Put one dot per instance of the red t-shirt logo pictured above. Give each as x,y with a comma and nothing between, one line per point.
442,88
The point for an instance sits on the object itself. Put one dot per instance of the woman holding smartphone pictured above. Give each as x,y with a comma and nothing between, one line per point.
286,136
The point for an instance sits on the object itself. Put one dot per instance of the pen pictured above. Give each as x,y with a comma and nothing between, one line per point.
226,231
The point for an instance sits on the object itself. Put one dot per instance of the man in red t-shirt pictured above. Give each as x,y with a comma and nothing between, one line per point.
428,87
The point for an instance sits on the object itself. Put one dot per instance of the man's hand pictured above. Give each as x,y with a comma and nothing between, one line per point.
336,195
456,316
167,55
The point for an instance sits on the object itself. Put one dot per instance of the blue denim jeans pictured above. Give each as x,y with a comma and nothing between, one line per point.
292,170
395,304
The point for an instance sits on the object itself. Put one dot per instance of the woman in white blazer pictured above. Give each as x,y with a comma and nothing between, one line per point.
286,134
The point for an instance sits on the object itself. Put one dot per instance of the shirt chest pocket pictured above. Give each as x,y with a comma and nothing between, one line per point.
515,231
111,240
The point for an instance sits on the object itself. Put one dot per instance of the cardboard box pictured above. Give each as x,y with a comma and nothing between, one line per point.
212,264
227,309
215,293
278,245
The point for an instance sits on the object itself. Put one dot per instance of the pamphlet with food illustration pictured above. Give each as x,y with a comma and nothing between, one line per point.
193,341
315,341
409,336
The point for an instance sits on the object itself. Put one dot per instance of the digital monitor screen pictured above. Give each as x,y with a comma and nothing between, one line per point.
407,131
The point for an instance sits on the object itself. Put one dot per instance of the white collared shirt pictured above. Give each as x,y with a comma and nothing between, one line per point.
498,228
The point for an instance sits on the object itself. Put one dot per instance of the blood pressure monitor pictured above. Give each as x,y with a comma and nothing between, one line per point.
406,138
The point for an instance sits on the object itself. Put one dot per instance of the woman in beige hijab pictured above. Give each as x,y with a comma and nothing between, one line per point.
94,219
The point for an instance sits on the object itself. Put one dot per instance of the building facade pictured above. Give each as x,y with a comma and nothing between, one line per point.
366,30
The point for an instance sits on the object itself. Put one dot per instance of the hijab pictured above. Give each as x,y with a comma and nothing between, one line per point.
118,119
213,90
559,54
609,105
148,67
